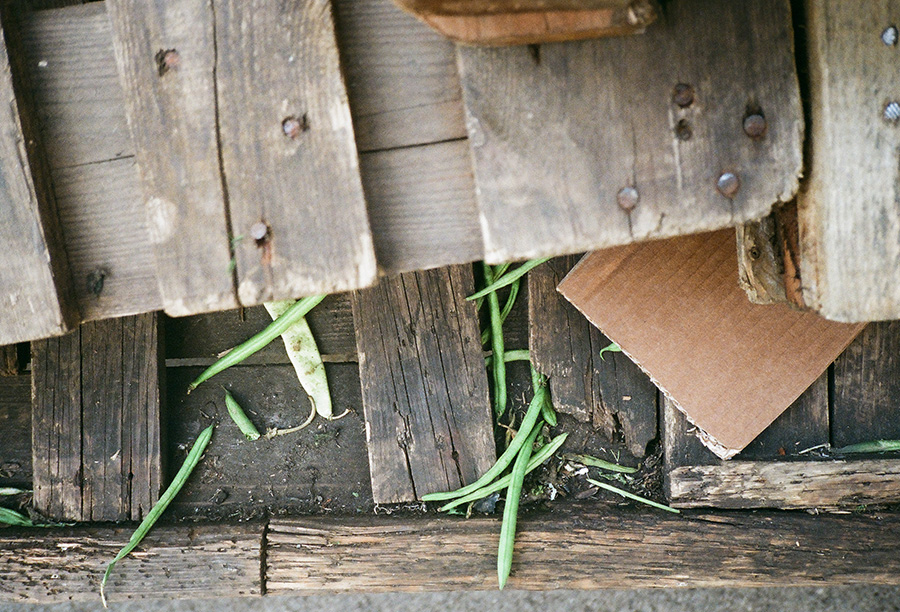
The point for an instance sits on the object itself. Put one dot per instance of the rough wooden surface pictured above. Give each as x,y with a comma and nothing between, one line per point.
610,391
277,67
588,548
81,110
185,562
9,360
522,28
866,401
557,135
760,262
424,384
34,271
488,7
15,430
96,421
849,219
167,59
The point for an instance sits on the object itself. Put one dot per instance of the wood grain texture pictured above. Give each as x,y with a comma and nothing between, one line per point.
849,219
866,403
492,7
9,360
95,423
760,262
172,111
185,562
424,384
15,431
34,271
584,548
81,109
543,26
279,64
609,391
556,136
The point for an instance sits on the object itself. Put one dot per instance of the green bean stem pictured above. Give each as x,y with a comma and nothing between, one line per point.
612,347
600,463
538,380
240,418
511,509
636,498
165,499
525,429
305,357
260,340
498,365
509,356
539,457
507,308
508,278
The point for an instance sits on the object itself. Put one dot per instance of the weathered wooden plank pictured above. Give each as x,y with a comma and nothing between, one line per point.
601,143
538,27
422,207
584,548
95,423
9,360
34,270
393,105
849,219
15,430
288,152
185,562
491,7
866,403
610,391
424,384
81,108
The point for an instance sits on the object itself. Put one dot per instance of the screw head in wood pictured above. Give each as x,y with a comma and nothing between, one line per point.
683,95
755,125
891,112
628,198
683,130
728,184
259,231
890,35
293,126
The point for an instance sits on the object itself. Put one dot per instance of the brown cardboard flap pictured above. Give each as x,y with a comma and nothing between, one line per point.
675,307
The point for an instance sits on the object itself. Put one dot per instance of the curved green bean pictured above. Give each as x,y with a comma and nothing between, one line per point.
165,499
539,457
637,498
260,340
240,418
508,278
538,380
507,308
875,446
511,510
525,429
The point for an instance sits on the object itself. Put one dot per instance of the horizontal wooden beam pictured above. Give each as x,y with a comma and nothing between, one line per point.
583,548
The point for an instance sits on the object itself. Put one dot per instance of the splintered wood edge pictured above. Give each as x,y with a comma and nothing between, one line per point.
785,485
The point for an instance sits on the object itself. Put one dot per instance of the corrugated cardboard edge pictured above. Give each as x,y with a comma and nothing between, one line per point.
718,449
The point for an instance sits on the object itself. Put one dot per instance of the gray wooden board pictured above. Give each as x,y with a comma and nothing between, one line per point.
424,384
81,110
490,7
276,64
95,425
174,123
34,271
866,402
15,430
173,562
849,218
610,391
556,136
322,468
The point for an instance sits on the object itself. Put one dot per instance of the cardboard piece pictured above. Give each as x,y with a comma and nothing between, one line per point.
675,308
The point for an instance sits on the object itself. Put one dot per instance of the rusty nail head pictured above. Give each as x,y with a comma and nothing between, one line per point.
892,112
683,130
628,198
889,36
728,184
259,231
683,95
293,126
755,125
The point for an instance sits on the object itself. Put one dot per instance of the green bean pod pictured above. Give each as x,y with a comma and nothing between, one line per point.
260,340
875,446
538,380
511,509
498,365
165,499
539,457
632,496
508,278
240,418
507,308
525,429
